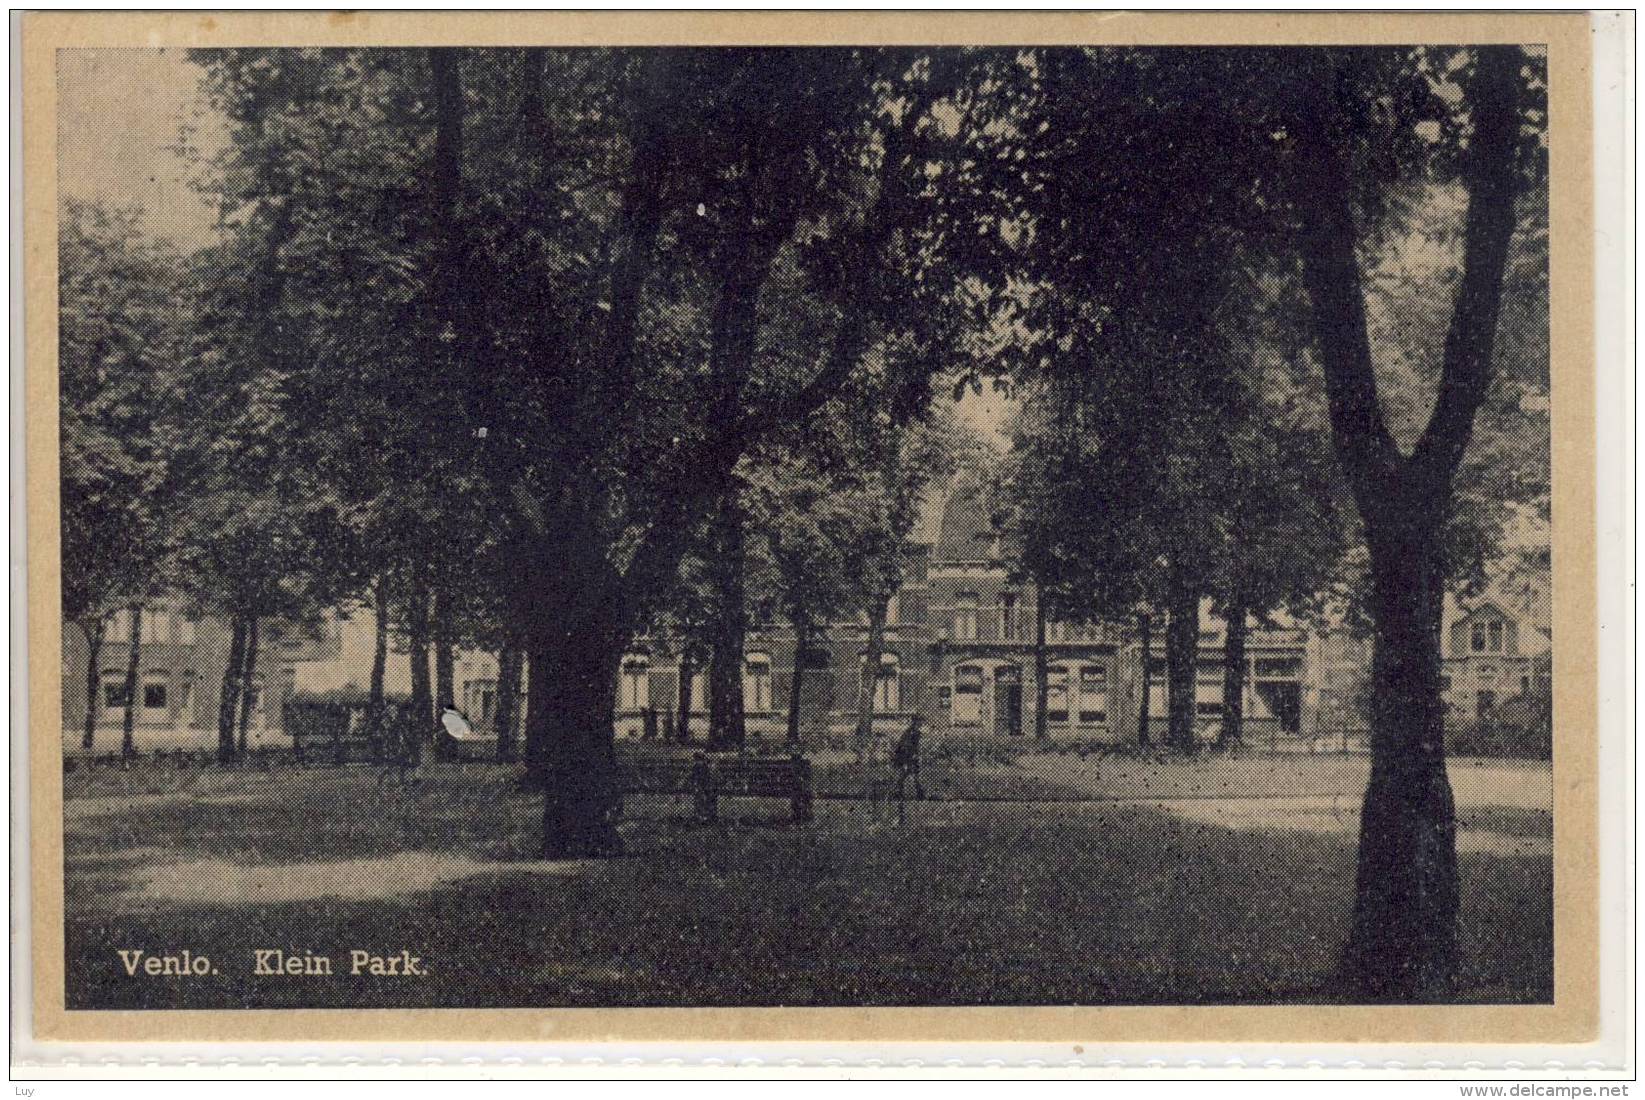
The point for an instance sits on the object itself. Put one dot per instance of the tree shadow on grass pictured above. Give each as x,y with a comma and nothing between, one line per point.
977,905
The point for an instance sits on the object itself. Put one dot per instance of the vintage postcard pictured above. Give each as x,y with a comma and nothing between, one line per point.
792,526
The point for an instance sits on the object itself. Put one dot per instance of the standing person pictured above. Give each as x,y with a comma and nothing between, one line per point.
905,761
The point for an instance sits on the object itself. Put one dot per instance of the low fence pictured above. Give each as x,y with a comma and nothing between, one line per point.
318,734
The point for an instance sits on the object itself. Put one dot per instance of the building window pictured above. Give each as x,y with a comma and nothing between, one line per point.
1278,668
185,702
480,701
154,695
1477,639
114,689
1494,635
887,689
968,693
182,630
757,683
965,617
1056,632
1056,694
944,697
1524,685
634,688
1008,615
1485,704
1093,706
1207,671
892,610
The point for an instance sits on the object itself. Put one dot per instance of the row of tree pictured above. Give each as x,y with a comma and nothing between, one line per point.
544,350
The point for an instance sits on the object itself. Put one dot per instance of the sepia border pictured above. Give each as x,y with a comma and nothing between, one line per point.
1573,1017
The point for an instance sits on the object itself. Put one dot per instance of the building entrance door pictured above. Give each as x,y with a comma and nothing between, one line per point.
1007,701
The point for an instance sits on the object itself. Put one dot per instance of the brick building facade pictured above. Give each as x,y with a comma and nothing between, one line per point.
959,650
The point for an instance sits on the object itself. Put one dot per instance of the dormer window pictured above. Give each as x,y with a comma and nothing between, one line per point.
1486,637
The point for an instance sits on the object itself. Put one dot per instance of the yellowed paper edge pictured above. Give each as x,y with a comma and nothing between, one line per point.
1573,1015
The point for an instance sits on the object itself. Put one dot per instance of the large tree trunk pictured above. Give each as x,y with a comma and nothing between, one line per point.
796,683
1403,942
569,726
248,678
870,673
379,668
727,728
1181,656
228,701
1145,639
1233,676
688,672
417,638
508,695
128,743
1041,670
95,629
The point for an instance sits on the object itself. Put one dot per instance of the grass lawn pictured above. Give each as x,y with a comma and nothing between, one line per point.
971,902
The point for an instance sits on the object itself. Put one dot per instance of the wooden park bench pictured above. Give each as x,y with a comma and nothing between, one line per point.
707,779
473,745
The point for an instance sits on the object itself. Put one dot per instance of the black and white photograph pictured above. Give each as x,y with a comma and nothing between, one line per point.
804,526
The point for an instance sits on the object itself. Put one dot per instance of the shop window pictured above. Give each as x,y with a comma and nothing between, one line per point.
1056,694
1093,705
634,687
968,693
